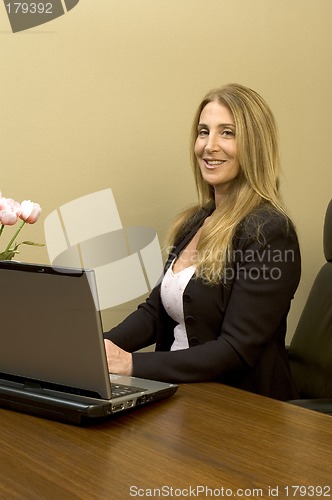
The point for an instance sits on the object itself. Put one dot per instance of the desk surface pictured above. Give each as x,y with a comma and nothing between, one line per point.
205,436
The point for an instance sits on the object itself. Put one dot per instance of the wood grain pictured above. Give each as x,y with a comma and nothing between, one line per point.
207,434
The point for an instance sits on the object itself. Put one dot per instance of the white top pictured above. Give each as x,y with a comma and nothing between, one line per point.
171,291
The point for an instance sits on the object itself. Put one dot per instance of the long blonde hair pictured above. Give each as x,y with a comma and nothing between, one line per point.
257,182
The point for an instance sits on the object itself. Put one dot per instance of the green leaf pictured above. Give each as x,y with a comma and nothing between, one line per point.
8,254
32,243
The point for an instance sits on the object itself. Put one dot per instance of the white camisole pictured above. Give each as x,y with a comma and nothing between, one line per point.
171,291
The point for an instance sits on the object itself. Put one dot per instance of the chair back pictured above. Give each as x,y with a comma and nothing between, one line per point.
310,351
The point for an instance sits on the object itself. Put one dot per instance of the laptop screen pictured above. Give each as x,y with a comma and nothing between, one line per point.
50,327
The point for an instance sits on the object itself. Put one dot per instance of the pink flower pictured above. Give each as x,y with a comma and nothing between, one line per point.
9,211
30,211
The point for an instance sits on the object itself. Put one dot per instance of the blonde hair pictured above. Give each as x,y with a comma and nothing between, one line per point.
257,182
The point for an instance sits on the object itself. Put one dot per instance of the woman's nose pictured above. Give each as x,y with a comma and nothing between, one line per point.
212,144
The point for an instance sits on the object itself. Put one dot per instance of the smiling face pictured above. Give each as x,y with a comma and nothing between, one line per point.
215,148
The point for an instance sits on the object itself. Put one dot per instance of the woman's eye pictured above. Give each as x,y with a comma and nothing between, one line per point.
203,132
228,133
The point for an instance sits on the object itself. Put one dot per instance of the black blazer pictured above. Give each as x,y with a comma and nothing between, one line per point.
236,330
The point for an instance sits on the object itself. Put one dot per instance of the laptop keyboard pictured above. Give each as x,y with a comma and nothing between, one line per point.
119,390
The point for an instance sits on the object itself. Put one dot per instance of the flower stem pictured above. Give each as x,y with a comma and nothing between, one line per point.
15,235
1,229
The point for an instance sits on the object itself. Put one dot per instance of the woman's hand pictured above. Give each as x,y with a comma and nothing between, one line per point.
118,360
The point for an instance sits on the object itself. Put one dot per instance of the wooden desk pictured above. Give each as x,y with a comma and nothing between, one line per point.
207,435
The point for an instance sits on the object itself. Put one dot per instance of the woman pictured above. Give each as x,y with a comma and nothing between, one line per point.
220,310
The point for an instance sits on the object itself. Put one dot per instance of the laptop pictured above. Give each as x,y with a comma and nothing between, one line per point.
52,356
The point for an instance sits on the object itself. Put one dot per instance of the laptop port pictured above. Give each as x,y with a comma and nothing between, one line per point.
141,400
130,403
117,407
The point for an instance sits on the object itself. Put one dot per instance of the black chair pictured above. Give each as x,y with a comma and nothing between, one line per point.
310,351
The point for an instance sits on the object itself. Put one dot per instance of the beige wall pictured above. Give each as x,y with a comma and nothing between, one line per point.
104,96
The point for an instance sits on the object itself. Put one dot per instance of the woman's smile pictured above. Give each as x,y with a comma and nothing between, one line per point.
213,164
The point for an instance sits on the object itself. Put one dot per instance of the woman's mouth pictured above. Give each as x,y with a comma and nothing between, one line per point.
213,163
